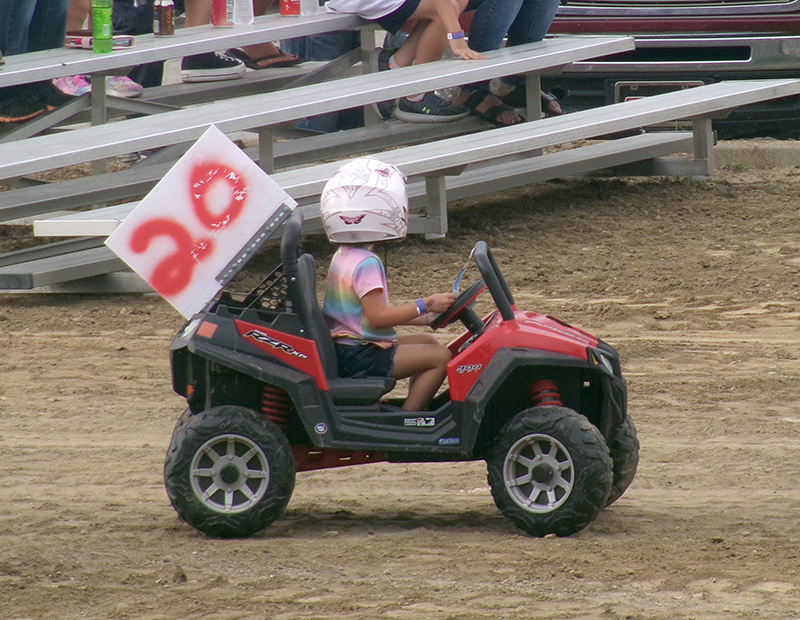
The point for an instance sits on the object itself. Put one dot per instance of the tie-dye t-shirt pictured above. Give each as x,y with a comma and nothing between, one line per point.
353,273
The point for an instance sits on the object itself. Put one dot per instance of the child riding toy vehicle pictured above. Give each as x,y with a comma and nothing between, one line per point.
542,402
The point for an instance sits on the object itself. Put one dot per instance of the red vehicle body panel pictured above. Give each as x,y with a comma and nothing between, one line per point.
528,330
300,353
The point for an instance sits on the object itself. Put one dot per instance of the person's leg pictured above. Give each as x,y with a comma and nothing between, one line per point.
433,36
326,46
197,13
133,17
77,14
525,21
48,26
406,54
491,22
208,67
489,26
532,21
424,360
17,17
29,26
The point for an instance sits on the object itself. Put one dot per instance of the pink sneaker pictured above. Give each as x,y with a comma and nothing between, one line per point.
122,86
73,85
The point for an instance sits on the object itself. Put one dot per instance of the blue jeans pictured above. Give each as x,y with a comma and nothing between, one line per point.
524,21
32,25
326,46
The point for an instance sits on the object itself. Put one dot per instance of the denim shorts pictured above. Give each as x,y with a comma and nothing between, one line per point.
367,360
395,20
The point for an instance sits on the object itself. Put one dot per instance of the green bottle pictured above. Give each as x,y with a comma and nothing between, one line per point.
102,40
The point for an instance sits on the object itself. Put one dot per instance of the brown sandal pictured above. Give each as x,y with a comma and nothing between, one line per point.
477,97
281,59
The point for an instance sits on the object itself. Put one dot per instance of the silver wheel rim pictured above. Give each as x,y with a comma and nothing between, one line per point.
538,473
230,474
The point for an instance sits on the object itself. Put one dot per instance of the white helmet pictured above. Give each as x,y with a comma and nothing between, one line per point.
365,201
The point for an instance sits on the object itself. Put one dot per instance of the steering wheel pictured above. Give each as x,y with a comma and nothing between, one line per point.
461,310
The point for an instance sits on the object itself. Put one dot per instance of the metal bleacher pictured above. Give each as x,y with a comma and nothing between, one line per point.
462,159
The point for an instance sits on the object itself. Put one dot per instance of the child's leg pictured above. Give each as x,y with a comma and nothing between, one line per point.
433,38
407,54
421,357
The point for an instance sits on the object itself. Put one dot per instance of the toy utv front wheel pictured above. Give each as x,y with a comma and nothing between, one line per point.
624,447
550,471
229,472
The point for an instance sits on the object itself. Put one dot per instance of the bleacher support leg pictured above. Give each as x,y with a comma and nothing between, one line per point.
266,150
533,89
99,115
703,146
371,118
436,193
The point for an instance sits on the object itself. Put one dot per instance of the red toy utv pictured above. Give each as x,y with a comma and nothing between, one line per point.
543,403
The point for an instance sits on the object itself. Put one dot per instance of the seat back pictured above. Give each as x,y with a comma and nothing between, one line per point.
312,317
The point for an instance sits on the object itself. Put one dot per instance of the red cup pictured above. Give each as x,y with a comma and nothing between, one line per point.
219,15
290,7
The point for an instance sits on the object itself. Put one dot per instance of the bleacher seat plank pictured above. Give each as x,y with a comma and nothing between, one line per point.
246,113
305,184
139,179
54,269
443,156
49,64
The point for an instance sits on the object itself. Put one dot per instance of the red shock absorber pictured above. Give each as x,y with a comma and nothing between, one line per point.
276,405
544,393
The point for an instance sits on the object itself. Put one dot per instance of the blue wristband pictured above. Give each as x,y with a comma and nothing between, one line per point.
455,35
421,307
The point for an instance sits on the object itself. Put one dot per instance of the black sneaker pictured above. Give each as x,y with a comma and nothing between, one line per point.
379,61
431,109
211,67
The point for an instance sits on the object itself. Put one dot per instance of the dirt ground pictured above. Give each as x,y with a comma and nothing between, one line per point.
696,283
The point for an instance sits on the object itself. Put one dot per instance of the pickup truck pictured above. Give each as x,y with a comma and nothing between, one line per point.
686,43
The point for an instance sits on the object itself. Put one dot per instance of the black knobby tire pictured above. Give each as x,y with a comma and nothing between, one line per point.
550,471
624,447
181,421
229,472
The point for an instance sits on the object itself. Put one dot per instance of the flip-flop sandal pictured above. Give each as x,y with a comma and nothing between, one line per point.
281,59
477,97
550,105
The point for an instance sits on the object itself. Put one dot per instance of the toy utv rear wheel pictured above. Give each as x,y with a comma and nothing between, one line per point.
550,471
229,472
624,447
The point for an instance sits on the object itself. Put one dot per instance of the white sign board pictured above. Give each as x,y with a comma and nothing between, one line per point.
200,223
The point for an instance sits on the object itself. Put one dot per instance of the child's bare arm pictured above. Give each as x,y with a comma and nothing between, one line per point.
462,50
383,316
449,11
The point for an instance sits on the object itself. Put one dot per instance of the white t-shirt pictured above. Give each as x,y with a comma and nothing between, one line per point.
368,9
